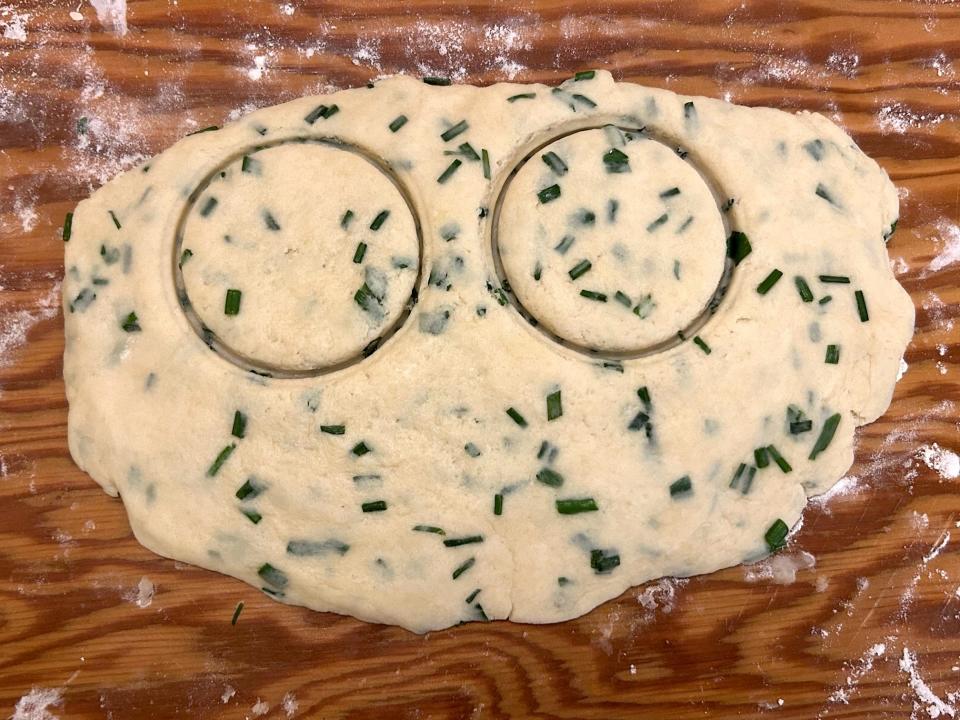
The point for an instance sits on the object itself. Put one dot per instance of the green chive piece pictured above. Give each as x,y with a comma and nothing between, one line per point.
236,613
579,269
822,192
333,429
220,459
248,164
616,161
272,576
521,96
550,477
250,489
769,281
457,542
270,221
658,222
603,563
464,567
825,299
833,355
776,535
498,504
472,450
252,515
761,457
360,449
669,193
130,323
701,343
208,206
555,163
451,169
429,529
321,111
575,506
345,220
472,596
554,406
549,194
209,128
689,110
583,100
681,487
311,548
826,435
584,75
184,256
738,246
798,427
398,122
516,417
622,298
565,242
359,253
644,307
450,133
805,293
374,506
114,218
779,459
593,295
239,429
837,279
562,581
379,220
231,304
432,80
67,226
861,306
485,162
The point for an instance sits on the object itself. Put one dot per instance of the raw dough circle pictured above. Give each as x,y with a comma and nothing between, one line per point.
320,282
610,240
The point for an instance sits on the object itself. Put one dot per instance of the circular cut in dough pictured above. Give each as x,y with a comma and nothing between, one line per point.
300,255
610,240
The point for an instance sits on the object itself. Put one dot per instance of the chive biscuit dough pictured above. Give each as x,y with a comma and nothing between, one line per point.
337,350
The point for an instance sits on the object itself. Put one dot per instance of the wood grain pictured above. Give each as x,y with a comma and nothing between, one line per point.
722,647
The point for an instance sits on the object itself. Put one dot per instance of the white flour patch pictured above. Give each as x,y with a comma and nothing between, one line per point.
661,596
902,370
287,9
289,704
856,672
36,703
15,326
849,485
14,23
142,597
942,65
259,67
239,112
926,699
938,311
896,118
843,63
112,14
259,708
228,692
780,569
26,211
945,462
948,246
367,53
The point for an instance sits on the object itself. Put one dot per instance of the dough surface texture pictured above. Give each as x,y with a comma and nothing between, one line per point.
365,379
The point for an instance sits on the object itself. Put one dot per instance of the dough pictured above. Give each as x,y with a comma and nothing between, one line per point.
427,434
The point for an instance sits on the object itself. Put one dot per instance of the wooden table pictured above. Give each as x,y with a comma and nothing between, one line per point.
873,631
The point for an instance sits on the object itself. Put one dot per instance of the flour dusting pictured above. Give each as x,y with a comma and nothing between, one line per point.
945,462
926,698
660,596
780,569
228,692
259,708
36,703
849,485
14,23
948,245
112,14
289,704
15,326
142,597
896,118
855,673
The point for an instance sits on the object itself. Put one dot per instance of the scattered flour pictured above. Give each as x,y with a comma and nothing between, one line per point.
926,698
780,569
228,692
287,9
897,118
142,597
843,62
948,252
289,704
259,67
16,325
112,14
945,462
661,595
36,703
856,672
903,369
849,485
13,23
259,708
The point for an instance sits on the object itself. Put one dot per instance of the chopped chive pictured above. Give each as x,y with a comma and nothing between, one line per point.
639,421
815,149
727,205
616,161
583,100
822,192
658,222
797,427
231,304
776,535
833,355
575,506
457,542
208,206
374,506
554,406
555,163
861,306
761,457
622,298
431,80
805,293
463,568
252,515
67,226
359,253
333,429
579,269
701,343
516,417
451,132
485,162
644,394
565,242
521,96
603,563
184,256
248,164
345,220
593,295
548,194
322,111
236,613
562,581
825,299
769,281
584,75
683,226
220,459
365,298
689,110
113,217
379,220
826,435
681,487
550,477
239,429
612,207
670,193
451,169
309,548
130,323
738,473
360,449
498,504
429,529
209,128
472,450
644,307
465,149
272,576
472,596
779,459
250,489
738,246
838,279
270,221
398,122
